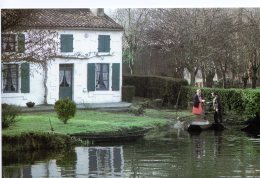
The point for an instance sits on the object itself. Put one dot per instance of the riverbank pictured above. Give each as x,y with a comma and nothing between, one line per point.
34,131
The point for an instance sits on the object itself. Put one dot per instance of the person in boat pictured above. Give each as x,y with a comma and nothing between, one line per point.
217,105
197,104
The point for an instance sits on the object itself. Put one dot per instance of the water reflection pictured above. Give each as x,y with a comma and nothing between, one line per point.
172,154
199,145
88,162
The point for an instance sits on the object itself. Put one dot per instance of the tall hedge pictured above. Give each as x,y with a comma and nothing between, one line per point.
166,88
238,100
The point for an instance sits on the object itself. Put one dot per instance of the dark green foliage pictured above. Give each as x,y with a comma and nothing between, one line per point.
128,92
238,100
137,110
9,114
154,87
65,108
36,141
252,102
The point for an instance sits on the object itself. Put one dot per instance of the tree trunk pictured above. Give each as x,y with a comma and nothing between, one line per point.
224,82
245,79
45,69
193,74
254,79
209,79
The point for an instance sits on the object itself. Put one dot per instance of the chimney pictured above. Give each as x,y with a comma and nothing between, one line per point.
98,11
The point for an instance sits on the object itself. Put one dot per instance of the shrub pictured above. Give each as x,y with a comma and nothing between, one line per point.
252,102
9,114
65,108
238,100
128,92
137,110
154,87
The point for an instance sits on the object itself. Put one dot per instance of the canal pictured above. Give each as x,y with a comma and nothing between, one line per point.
163,153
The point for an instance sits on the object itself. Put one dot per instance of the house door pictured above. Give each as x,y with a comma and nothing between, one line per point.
66,79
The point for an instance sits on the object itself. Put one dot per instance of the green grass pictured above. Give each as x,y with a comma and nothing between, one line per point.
83,122
168,114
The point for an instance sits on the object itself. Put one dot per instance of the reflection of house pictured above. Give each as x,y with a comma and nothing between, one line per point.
90,162
100,161
87,69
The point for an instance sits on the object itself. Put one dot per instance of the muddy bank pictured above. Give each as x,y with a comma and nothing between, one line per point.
38,141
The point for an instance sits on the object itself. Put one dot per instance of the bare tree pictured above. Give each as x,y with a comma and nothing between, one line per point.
133,21
251,41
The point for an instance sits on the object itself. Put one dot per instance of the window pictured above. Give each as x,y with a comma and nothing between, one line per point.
13,43
102,76
66,42
8,42
10,78
104,43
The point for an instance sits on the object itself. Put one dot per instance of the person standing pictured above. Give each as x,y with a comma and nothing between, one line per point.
217,105
197,104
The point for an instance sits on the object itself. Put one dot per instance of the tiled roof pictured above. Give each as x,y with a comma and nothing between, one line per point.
69,19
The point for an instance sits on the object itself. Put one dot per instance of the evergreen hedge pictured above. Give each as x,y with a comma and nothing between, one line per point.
238,100
156,87
128,92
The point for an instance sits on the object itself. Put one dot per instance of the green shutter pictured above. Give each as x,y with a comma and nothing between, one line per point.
66,42
21,43
91,77
25,78
104,43
107,43
115,76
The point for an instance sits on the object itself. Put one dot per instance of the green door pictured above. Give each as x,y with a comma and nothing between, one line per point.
65,82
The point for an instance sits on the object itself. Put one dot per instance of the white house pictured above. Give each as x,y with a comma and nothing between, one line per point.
88,68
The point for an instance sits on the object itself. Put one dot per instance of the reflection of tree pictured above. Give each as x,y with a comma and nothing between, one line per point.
199,145
66,162
218,143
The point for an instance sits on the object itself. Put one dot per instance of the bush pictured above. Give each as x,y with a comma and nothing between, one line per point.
128,92
65,108
252,102
238,100
9,113
137,110
154,87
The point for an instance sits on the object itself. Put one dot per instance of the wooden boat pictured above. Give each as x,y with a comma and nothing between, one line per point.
198,126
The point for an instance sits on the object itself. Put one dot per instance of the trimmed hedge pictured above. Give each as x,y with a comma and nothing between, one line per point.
238,100
154,87
128,92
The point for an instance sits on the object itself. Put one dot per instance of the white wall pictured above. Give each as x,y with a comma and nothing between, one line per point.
36,89
85,42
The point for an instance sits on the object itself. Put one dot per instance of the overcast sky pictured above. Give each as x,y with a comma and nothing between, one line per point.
126,3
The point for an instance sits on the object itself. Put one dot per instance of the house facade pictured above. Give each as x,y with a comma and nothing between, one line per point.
86,69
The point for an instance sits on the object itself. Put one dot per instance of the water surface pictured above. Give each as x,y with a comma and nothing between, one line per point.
167,153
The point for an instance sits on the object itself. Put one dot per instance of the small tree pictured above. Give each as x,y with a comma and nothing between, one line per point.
65,108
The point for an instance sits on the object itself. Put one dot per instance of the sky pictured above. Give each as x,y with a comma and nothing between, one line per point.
127,3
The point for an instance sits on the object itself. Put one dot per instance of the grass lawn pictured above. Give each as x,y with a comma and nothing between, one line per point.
83,122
